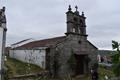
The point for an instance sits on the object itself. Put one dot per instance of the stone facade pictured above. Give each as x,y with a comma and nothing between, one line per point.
76,45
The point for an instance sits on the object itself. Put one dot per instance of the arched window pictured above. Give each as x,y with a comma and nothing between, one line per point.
76,19
73,30
81,22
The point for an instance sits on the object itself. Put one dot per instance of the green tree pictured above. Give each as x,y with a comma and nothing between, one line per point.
116,58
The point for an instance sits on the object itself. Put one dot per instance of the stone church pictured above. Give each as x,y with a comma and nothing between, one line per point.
71,54
74,54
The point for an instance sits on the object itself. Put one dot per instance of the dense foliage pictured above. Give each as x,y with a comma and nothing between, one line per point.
116,58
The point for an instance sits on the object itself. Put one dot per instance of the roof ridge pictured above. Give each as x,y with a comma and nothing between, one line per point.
42,43
50,38
21,41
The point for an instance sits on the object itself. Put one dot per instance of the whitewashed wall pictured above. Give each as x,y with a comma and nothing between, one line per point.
30,56
1,38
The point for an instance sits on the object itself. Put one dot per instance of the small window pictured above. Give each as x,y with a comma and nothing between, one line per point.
81,22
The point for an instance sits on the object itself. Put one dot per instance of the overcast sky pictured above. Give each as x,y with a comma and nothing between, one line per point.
41,19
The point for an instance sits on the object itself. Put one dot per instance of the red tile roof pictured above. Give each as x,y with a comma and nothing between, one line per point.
42,43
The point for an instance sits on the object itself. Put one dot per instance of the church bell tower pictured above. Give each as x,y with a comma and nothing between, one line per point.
75,22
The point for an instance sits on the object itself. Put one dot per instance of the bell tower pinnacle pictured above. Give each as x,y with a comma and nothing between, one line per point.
75,22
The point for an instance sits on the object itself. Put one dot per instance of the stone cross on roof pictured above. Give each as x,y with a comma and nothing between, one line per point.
69,8
76,7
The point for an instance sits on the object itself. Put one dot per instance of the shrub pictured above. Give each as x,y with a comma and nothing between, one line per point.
116,58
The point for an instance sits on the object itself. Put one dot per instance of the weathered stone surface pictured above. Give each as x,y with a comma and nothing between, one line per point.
75,44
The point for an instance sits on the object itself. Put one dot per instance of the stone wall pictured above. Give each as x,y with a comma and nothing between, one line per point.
68,47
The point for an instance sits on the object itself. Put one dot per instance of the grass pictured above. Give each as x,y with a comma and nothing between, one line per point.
16,67
103,71
86,77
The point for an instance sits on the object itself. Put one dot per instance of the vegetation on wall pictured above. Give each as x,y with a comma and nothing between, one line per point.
56,64
72,61
87,59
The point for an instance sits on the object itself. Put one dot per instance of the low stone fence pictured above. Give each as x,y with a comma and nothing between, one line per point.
30,76
115,78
